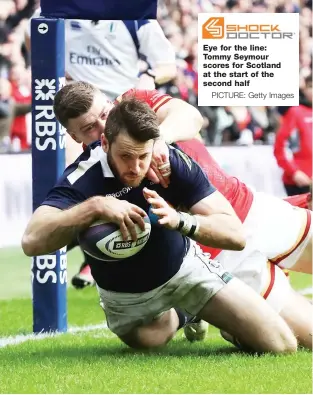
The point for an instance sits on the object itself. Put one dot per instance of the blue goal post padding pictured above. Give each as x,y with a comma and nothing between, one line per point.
49,274
100,9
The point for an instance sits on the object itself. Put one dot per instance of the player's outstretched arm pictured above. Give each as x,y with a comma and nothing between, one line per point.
179,121
217,223
50,228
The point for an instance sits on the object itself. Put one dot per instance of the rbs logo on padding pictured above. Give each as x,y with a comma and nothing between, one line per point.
48,131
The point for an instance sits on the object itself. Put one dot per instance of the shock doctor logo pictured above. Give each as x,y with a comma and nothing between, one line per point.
216,28
213,28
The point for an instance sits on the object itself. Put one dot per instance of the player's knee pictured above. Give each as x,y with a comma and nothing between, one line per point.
159,332
153,339
283,339
147,339
298,315
287,344
155,334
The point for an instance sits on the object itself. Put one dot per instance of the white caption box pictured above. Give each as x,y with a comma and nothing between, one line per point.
248,59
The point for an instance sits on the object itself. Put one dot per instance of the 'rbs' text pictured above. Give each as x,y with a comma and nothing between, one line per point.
44,268
46,125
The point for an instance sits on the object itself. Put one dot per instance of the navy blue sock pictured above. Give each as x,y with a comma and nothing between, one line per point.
183,318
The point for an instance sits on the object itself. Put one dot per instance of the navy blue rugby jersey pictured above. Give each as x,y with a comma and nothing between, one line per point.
162,256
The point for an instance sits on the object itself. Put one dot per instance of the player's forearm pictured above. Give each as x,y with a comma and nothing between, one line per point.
164,72
222,231
182,122
49,232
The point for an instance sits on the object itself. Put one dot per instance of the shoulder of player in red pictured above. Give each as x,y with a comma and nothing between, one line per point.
153,98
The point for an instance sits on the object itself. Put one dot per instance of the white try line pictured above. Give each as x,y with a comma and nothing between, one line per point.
14,340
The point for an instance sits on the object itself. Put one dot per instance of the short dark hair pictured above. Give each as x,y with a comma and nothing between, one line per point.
73,100
135,118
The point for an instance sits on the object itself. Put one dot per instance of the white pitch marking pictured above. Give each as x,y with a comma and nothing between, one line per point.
14,340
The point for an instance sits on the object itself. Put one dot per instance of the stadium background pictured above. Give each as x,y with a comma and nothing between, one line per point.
240,138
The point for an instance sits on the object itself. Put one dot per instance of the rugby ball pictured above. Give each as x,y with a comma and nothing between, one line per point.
104,241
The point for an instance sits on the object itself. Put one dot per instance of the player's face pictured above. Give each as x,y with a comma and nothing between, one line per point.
88,127
129,160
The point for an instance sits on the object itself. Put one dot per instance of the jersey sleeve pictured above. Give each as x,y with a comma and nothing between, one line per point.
188,179
154,45
153,98
70,189
63,196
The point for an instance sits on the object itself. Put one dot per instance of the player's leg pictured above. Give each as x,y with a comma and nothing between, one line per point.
149,319
83,277
296,311
298,249
270,217
298,314
238,310
144,320
156,333
302,201
304,263
163,328
234,307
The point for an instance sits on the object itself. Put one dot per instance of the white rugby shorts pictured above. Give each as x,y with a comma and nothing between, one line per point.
276,234
197,281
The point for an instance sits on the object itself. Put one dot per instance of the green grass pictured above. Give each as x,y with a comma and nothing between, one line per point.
15,269
97,362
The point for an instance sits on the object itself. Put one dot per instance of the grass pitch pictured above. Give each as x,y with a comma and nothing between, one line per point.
97,362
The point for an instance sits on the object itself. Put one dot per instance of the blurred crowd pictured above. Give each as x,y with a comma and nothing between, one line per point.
15,76
178,19
224,125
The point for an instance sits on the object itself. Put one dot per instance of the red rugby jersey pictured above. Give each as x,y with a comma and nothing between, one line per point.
296,120
153,98
235,191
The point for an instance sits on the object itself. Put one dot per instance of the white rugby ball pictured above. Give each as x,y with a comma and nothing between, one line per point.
104,241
